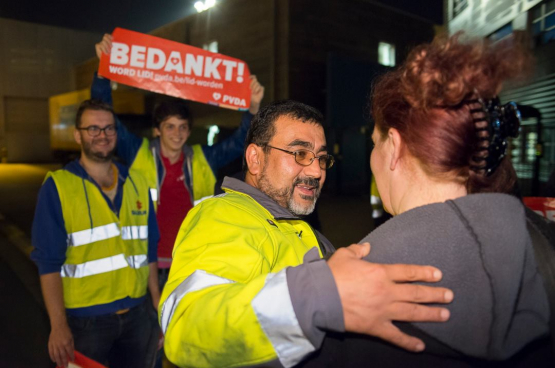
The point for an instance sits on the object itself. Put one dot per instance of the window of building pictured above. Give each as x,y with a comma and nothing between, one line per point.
211,46
502,32
543,21
386,54
458,7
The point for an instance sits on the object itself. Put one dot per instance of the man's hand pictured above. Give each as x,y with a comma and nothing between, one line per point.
104,46
257,94
60,345
373,295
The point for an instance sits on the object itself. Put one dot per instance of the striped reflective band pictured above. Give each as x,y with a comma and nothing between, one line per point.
154,194
201,199
134,232
375,200
274,310
137,261
198,280
93,235
103,265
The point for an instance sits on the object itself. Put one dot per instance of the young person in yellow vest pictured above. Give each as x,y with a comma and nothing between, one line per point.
95,238
180,175
250,284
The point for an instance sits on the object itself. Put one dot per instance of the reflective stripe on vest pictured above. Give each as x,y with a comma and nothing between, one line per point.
274,310
93,235
103,265
106,232
198,280
134,232
106,257
154,194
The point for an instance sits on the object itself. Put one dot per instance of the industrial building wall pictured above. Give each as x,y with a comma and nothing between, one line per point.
319,28
333,57
35,63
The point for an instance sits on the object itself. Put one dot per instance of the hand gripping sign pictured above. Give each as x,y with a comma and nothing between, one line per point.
178,70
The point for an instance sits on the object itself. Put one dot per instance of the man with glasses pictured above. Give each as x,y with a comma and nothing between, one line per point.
250,285
95,238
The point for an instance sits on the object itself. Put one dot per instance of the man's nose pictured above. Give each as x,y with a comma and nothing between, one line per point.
313,169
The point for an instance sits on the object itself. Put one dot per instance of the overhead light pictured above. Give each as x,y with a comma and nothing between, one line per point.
201,6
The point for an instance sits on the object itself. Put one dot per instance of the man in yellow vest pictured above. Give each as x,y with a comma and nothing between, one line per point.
95,237
249,283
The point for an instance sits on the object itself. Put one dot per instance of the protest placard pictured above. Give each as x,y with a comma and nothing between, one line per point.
178,70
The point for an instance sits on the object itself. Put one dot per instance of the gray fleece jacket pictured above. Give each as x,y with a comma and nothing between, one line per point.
481,244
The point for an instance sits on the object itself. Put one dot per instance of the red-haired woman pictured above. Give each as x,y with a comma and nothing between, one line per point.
440,138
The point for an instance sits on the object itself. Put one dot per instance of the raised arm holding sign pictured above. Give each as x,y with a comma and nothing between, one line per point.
175,69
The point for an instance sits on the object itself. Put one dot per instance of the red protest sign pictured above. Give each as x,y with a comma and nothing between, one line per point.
544,206
178,70
82,361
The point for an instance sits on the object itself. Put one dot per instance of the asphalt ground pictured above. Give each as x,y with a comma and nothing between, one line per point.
24,324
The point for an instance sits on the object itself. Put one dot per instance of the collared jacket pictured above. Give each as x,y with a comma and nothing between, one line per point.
238,292
200,164
101,248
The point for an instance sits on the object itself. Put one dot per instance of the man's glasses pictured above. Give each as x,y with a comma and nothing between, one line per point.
305,157
95,131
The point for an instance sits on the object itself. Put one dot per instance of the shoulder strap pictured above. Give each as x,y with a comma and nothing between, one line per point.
542,232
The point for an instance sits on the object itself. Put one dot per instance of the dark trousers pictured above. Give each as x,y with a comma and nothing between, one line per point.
119,340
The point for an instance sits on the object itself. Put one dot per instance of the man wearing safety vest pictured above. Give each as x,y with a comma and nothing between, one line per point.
249,284
179,175
95,237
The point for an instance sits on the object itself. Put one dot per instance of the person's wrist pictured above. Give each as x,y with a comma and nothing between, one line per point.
61,326
253,109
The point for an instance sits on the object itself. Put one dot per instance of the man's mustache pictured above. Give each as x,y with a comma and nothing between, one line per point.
311,182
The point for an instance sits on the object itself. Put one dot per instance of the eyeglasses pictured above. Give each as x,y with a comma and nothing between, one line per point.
303,157
95,131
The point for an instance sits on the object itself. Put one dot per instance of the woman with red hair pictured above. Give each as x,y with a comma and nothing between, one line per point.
440,139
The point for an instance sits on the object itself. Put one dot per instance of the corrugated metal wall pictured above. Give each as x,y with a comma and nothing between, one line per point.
541,95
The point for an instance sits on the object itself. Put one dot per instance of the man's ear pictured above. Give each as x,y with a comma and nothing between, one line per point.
77,136
155,132
396,145
254,156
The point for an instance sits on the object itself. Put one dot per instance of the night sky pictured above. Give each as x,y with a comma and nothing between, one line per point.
143,16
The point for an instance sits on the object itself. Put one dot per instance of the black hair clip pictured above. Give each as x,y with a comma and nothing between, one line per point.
503,121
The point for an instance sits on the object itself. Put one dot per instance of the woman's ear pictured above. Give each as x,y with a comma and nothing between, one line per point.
396,145
254,155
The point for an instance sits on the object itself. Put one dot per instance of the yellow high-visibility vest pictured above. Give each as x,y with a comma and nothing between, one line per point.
106,256
202,174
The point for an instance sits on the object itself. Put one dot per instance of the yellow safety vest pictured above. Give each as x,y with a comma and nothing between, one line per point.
106,256
226,252
203,177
